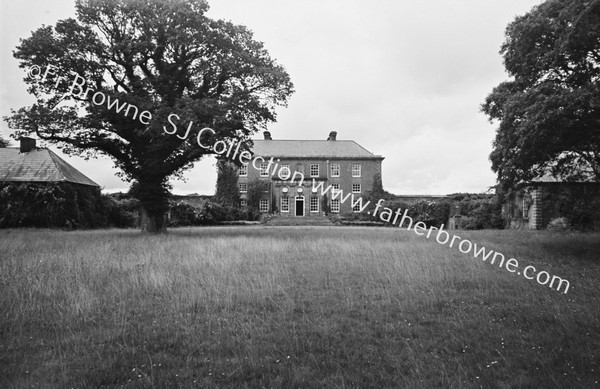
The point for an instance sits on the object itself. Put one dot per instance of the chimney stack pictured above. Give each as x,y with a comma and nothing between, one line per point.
27,144
267,135
332,135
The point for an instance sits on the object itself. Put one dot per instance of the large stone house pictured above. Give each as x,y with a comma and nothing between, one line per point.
290,166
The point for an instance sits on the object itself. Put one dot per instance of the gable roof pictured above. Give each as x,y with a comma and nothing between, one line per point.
38,165
312,149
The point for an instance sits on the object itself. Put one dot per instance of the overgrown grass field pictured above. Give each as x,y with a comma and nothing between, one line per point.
294,307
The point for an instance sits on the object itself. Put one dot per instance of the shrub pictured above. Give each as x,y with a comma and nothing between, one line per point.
183,214
432,213
479,211
559,224
52,205
122,210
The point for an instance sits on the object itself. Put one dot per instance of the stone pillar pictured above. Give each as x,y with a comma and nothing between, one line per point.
535,222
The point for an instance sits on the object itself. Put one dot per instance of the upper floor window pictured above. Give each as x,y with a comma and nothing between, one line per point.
356,188
264,169
243,187
243,170
335,170
285,172
356,170
335,188
314,170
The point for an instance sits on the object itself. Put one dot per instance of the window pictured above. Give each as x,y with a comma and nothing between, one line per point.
243,187
335,188
264,205
244,203
314,170
356,170
356,188
335,170
264,169
285,172
285,204
244,171
356,208
314,204
335,205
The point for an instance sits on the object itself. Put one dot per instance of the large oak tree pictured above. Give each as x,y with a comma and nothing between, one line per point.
164,57
549,112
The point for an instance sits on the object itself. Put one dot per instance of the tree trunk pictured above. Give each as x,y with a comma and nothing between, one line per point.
154,202
153,222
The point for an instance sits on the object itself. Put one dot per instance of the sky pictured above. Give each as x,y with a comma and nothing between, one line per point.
403,78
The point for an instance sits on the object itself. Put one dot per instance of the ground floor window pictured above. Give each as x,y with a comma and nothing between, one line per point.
314,204
264,205
335,205
285,204
356,208
244,203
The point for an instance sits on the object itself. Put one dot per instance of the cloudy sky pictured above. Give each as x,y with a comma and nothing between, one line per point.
403,78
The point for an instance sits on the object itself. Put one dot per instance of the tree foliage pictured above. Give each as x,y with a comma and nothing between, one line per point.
227,192
257,190
3,142
164,57
549,112
58,204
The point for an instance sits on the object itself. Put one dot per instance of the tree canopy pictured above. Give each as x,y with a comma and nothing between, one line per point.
549,112
177,70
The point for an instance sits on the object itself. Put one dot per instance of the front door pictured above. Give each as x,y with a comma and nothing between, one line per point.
299,205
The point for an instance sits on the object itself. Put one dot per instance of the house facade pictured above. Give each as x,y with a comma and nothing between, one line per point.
287,169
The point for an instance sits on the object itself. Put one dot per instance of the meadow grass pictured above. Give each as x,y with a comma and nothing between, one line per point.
294,307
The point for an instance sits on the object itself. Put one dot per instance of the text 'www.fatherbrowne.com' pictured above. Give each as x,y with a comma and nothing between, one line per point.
465,246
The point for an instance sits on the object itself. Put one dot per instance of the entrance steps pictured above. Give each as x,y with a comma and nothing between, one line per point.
299,221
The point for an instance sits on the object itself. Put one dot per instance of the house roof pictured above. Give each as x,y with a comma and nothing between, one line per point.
38,165
336,149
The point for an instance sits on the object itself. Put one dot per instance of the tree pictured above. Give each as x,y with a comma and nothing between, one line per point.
549,113
227,192
256,190
3,142
172,72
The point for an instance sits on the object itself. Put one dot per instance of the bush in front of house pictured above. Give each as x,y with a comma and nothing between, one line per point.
559,224
122,210
478,211
207,212
432,213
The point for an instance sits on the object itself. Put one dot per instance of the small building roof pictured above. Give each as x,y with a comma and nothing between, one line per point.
38,165
334,149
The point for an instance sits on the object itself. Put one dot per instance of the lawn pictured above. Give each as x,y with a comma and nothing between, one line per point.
294,307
